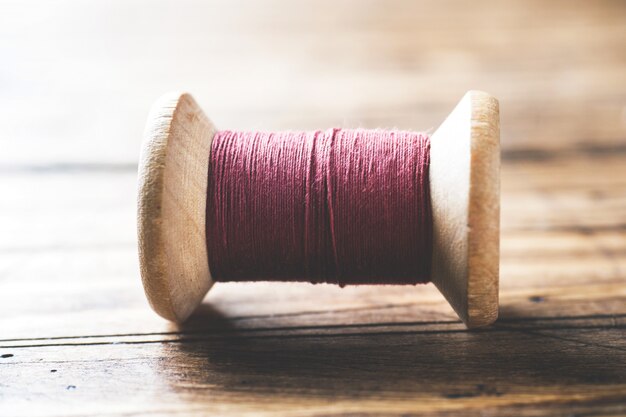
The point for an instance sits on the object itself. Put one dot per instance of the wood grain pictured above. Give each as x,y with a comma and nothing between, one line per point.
77,80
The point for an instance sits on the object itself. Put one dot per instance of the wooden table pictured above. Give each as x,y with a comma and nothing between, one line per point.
77,336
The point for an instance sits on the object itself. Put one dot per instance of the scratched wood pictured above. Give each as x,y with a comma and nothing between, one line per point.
76,334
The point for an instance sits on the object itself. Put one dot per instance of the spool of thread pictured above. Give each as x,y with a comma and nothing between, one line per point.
337,206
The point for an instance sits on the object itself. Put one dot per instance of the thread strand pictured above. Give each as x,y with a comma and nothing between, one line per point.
336,206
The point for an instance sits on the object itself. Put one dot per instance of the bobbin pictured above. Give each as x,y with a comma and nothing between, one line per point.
464,189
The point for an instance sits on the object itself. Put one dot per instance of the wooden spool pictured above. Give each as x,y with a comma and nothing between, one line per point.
465,197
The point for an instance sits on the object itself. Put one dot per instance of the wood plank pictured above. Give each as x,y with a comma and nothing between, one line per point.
72,302
508,370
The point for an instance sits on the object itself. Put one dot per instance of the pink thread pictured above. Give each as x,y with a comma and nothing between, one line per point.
340,206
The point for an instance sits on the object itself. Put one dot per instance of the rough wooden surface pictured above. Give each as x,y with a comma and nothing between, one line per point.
77,336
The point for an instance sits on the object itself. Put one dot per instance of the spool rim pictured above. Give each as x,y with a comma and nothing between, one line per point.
465,197
171,205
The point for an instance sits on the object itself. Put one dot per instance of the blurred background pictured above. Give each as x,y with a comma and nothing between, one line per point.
77,79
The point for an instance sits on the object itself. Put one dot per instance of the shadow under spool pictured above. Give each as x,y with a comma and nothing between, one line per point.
462,253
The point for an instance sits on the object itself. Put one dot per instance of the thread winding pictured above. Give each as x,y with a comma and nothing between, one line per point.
336,206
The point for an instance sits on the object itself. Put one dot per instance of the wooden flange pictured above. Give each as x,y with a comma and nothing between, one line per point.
464,180
171,206
465,196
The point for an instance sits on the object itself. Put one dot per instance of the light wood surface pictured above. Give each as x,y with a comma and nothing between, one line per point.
76,80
